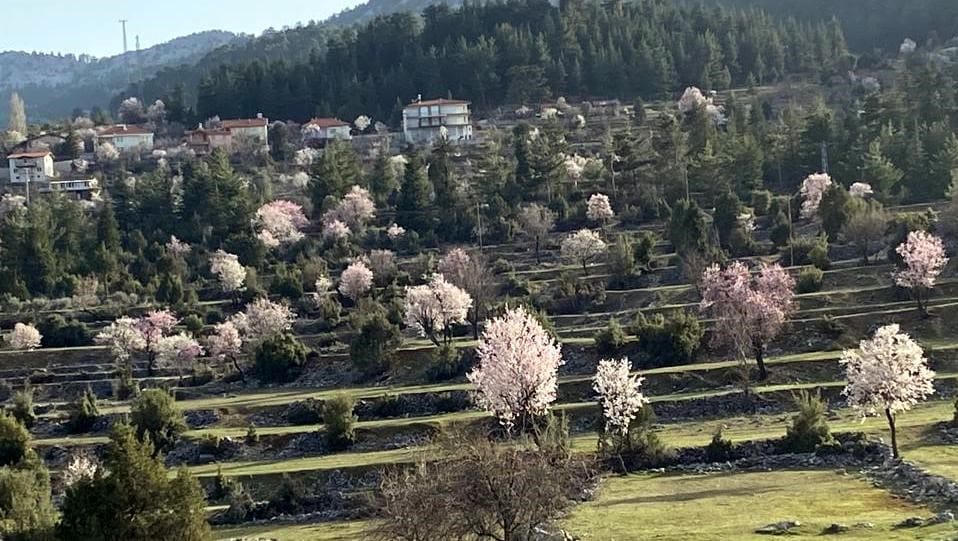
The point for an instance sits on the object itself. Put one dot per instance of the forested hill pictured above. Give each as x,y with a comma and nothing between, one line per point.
523,51
870,24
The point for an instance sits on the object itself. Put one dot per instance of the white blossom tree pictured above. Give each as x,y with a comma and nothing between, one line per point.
107,153
355,281
263,319
813,189
280,222
453,265
226,344
923,259
335,230
599,210
179,350
355,209
433,308
25,337
582,247
887,373
620,394
178,248
228,270
860,189
395,232
517,369
362,123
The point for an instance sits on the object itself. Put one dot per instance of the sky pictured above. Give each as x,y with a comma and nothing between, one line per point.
68,26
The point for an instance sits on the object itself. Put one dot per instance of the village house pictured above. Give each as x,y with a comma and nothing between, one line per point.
31,167
248,128
202,141
124,137
425,121
320,130
76,188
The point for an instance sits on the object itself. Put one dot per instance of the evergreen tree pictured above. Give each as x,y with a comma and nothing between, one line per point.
414,208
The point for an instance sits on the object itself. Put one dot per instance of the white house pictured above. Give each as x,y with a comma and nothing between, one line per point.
125,137
248,128
326,129
423,121
78,188
31,167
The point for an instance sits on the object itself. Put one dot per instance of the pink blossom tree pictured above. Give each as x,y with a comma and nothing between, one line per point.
228,270
748,313
620,394
356,208
355,281
123,338
153,327
582,247
25,337
691,100
598,209
888,373
280,222
335,230
179,350
226,344
923,259
517,369
433,308
813,189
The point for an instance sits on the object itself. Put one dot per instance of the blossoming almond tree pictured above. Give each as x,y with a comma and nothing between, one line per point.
280,223
153,327
453,265
517,369
599,210
748,313
335,230
433,308
355,209
860,189
582,247
179,350
228,270
395,232
25,337
889,373
620,394
535,222
263,319
355,281
923,258
813,189
226,344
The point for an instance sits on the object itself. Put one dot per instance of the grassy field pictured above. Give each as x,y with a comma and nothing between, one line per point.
338,531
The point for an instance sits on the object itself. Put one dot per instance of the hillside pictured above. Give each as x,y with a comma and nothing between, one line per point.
53,85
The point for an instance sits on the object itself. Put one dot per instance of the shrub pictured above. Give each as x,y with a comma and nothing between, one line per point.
761,201
193,323
809,426
14,440
779,229
288,497
57,332
305,412
610,339
83,413
373,348
669,340
288,285
809,251
22,407
280,359
644,250
240,505
621,259
446,364
223,487
213,316
809,280
252,437
641,446
28,513
719,449
339,419
154,415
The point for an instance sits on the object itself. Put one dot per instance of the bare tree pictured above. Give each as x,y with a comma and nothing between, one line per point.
535,222
866,227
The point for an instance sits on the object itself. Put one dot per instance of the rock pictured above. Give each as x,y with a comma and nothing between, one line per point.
779,528
835,528
864,525
911,522
940,518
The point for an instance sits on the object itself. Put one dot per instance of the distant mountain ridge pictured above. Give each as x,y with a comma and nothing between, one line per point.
53,85
375,8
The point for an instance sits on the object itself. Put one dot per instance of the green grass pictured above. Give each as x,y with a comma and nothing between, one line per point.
732,506
335,531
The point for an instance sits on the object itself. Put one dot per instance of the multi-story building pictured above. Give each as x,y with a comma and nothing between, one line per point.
31,167
426,121
320,130
249,128
124,137
79,188
202,140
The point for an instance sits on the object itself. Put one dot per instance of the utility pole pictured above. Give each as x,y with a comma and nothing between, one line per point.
123,22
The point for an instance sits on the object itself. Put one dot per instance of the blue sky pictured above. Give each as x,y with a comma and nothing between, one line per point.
69,26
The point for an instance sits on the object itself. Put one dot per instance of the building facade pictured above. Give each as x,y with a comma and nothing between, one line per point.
79,188
326,129
426,121
202,141
124,137
249,128
31,167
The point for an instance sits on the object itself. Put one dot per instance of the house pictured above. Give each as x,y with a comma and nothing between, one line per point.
248,128
202,140
423,121
78,188
31,167
326,129
125,137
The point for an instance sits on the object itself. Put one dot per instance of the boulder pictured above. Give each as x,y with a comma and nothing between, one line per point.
779,528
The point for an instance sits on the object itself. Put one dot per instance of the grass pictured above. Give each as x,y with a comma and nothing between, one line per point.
335,531
732,506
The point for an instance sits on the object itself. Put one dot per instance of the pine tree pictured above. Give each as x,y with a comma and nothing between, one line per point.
18,116
414,208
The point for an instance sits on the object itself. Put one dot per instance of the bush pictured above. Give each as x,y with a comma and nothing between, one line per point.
719,449
640,447
621,259
761,201
22,407
223,487
610,339
288,285
809,280
446,364
252,437
644,250
240,505
83,413
305,412
779,229
154,415
809,426
58,332
339,419
193,323
14,440
669,340
213,316
280,359
809,251
28,513
373,348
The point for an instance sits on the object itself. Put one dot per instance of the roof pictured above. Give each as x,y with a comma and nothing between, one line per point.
245,123
439,101
123,129
29,154
327,123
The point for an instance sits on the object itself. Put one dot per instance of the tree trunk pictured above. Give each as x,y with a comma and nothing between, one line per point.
894,435
922,306
150,361
236,365
538,256
760,361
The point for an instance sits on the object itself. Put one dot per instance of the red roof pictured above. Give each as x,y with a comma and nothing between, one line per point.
440,101
29,154
327,123
123,129
245,123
